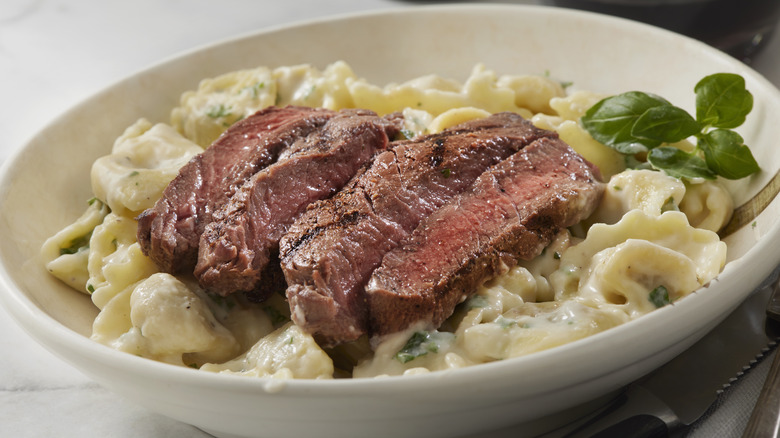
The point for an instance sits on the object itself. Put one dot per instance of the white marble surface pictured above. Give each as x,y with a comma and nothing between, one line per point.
55,53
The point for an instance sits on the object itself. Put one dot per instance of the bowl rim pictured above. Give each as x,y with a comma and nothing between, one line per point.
40,325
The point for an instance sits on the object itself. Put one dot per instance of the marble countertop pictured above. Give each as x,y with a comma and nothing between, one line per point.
55,53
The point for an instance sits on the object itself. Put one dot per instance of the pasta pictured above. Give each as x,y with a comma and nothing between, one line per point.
651,241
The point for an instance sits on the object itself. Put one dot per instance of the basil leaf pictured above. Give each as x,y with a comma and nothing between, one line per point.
679,164
727,155
611,120
722,101
665,124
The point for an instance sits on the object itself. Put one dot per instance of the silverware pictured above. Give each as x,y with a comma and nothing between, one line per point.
667,401
765,419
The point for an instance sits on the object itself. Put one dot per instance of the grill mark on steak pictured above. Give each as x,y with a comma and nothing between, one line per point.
329,253
170,231
235,247
510,213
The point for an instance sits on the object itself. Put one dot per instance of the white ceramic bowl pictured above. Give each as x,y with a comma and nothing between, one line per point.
44,187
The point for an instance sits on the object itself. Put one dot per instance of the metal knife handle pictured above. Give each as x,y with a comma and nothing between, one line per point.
638,414
765,420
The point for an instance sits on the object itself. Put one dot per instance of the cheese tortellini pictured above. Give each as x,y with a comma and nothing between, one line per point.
142,163
651,241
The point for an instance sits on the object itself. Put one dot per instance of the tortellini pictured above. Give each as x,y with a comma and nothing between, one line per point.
287,353
707,204
115,259
647,251
155,306
647,190
436,95
66,254
142,163
204,114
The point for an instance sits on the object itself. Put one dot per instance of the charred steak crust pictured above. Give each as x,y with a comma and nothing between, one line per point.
511,212
170,231
235,247
330,251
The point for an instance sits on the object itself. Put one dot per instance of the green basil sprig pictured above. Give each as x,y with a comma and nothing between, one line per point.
635,123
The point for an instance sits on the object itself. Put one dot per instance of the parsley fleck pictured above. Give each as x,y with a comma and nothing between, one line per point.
446,172
422,343
557,255
90,288
505,323
217,111
669,205
407,133
477,302
76,244
276,316
659,297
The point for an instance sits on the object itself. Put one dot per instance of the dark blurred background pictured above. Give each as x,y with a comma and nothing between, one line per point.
738,27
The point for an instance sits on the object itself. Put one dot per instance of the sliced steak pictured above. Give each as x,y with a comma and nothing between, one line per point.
236,246
330,251
169,232
510,213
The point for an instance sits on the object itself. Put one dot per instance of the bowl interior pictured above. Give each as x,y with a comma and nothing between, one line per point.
46,185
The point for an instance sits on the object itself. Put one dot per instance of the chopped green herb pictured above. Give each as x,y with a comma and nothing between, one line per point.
566,84
276,316
193,365
446,172
90,288
254,90
659,296
226,303
754,224
669,205
617,188
309,92
217,111
133,173
291,340
557,255
637,122
92,200
477,302
407,133
505,323
422,343
76,244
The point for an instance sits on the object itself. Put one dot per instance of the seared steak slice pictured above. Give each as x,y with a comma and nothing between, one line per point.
169,232
510,213
330,251
236,245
